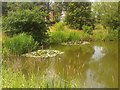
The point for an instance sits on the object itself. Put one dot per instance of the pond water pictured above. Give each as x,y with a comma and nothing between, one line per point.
86,66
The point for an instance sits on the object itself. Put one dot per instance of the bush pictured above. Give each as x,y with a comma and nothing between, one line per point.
19,44
87,29
27,21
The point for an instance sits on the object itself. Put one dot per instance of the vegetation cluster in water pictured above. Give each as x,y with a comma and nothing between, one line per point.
76,43
43,53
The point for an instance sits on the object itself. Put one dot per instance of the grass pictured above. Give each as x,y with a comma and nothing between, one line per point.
58,37
64,34
18,80
19,44
15,79
58,27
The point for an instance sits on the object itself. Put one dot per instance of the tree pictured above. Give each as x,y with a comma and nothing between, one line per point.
30,19
79,14
107,13
58,7
4,8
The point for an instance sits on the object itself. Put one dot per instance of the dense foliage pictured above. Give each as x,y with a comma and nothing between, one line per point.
14,6
107,14
79,14
58,7
87,29
27,21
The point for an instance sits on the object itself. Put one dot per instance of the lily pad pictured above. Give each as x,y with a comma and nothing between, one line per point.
43,53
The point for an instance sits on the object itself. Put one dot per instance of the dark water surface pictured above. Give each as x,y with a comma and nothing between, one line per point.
94,65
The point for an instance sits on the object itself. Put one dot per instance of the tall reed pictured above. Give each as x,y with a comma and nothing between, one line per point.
19,44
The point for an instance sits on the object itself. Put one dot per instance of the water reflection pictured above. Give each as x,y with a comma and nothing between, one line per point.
77,65
98,53
90,81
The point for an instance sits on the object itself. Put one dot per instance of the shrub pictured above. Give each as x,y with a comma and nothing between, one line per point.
87,29
27,21
19,44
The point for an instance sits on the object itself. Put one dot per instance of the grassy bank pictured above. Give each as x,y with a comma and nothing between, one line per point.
65,34
18,44
16,79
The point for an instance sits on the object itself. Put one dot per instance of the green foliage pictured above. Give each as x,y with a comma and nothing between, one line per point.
58,37
99,35
74,36
79,14
16,79
57,10
59,26
99,27
106,35
87,29
27,21
4,8
64,36
86,37
14,6
19,44
112,35
107,14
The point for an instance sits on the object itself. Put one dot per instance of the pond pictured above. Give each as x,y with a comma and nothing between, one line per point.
86,66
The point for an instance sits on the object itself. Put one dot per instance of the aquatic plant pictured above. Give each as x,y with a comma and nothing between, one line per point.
74,36
19,44
64,36
58,36
43,53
